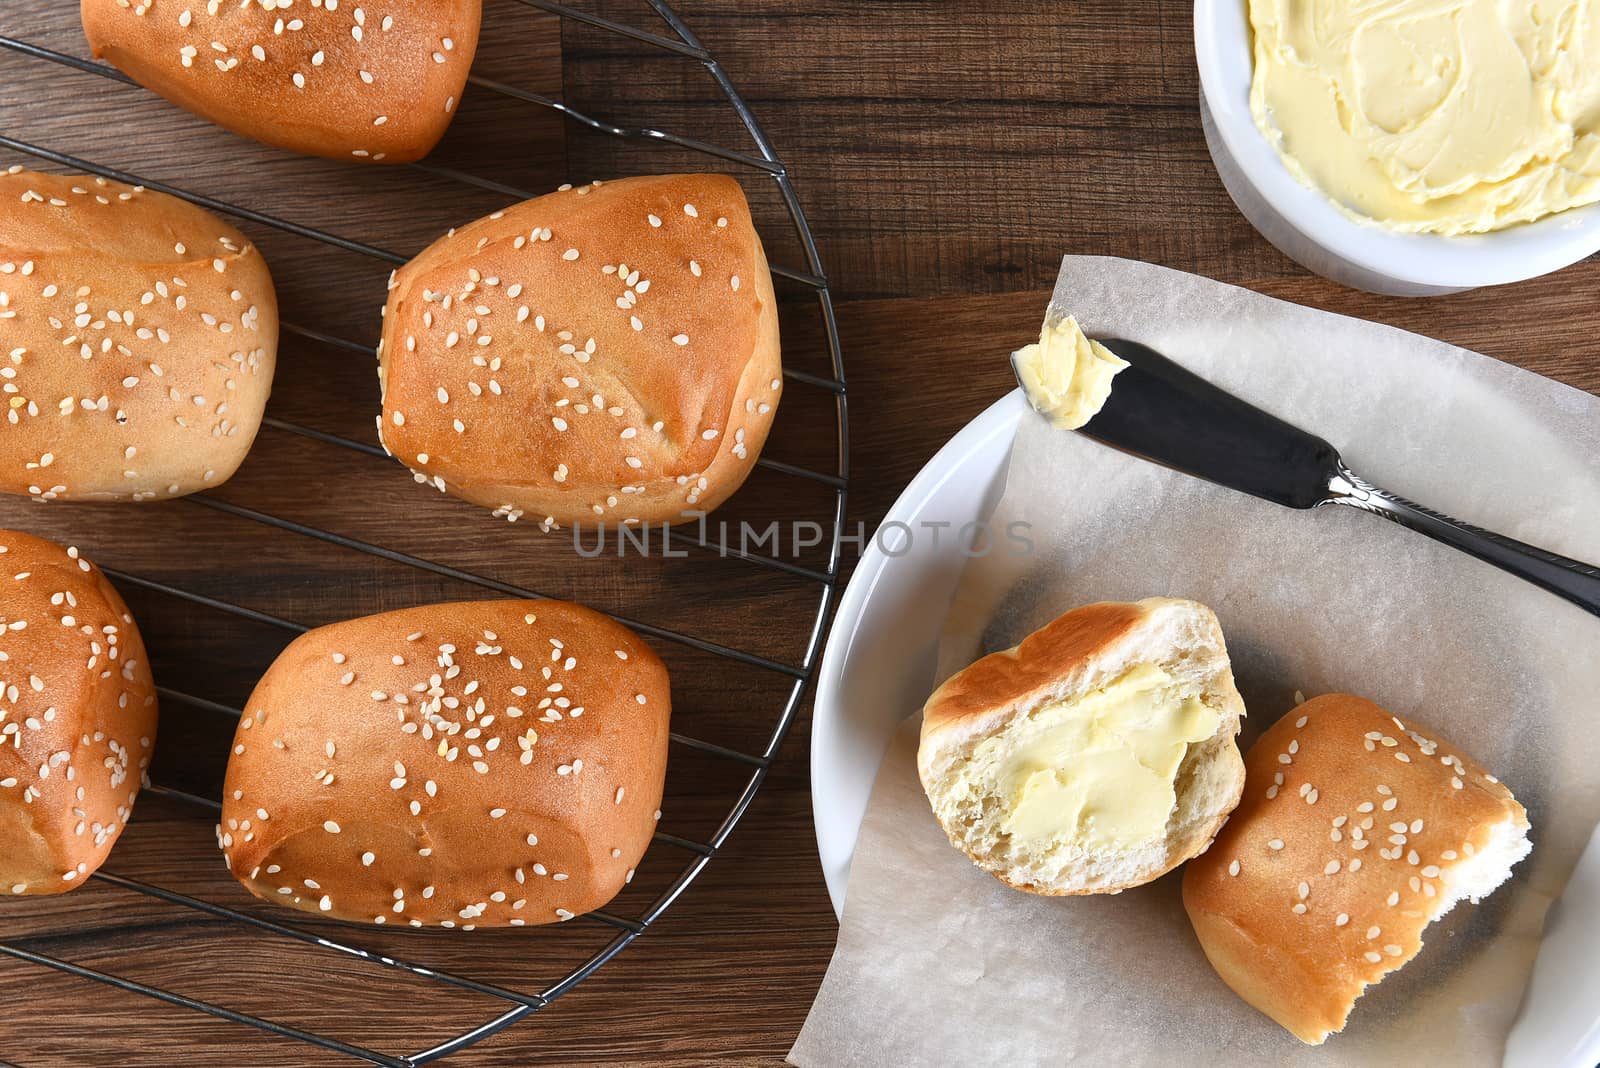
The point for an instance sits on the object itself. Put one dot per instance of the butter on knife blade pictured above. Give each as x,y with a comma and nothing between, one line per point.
1066,376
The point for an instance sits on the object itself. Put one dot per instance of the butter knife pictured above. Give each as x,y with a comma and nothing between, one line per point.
1161,412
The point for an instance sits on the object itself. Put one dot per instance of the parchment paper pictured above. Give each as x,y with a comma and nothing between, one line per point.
937,963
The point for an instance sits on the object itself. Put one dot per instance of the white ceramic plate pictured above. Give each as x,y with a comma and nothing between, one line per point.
879,667
881,656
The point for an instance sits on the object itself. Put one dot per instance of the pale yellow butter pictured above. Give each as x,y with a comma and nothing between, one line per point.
1445,116
1098,771
1066,376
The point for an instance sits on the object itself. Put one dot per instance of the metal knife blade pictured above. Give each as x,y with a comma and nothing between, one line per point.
1162,412
1159,411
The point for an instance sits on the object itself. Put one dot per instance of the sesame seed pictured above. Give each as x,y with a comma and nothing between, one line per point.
331,827
1341,919
1276,843
367,859
1372,958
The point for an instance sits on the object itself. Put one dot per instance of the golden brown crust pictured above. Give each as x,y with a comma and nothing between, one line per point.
354,777
372,81
1013,675
1337,857
141,337
77,716
601,354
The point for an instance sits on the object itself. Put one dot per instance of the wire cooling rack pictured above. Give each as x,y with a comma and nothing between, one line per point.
676,40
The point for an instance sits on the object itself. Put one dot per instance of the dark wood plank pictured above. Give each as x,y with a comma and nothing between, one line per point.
946,147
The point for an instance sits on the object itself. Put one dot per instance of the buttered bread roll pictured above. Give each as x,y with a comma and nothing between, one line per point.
140,336
481,764
374,81
1356,831
607,354
1096,755
77,716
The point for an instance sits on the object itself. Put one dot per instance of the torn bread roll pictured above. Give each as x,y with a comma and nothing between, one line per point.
1356,831
478,764
1096,755
77,716
141,333
607,354
373,81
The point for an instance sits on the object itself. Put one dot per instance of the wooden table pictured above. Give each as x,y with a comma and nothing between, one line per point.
947,155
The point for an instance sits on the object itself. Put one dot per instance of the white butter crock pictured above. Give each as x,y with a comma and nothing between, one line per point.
1304,224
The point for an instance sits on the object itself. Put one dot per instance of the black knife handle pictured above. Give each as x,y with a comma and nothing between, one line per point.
1573,580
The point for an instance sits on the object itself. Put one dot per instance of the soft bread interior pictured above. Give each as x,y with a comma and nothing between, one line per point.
1470,880
1168,679
1479,875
